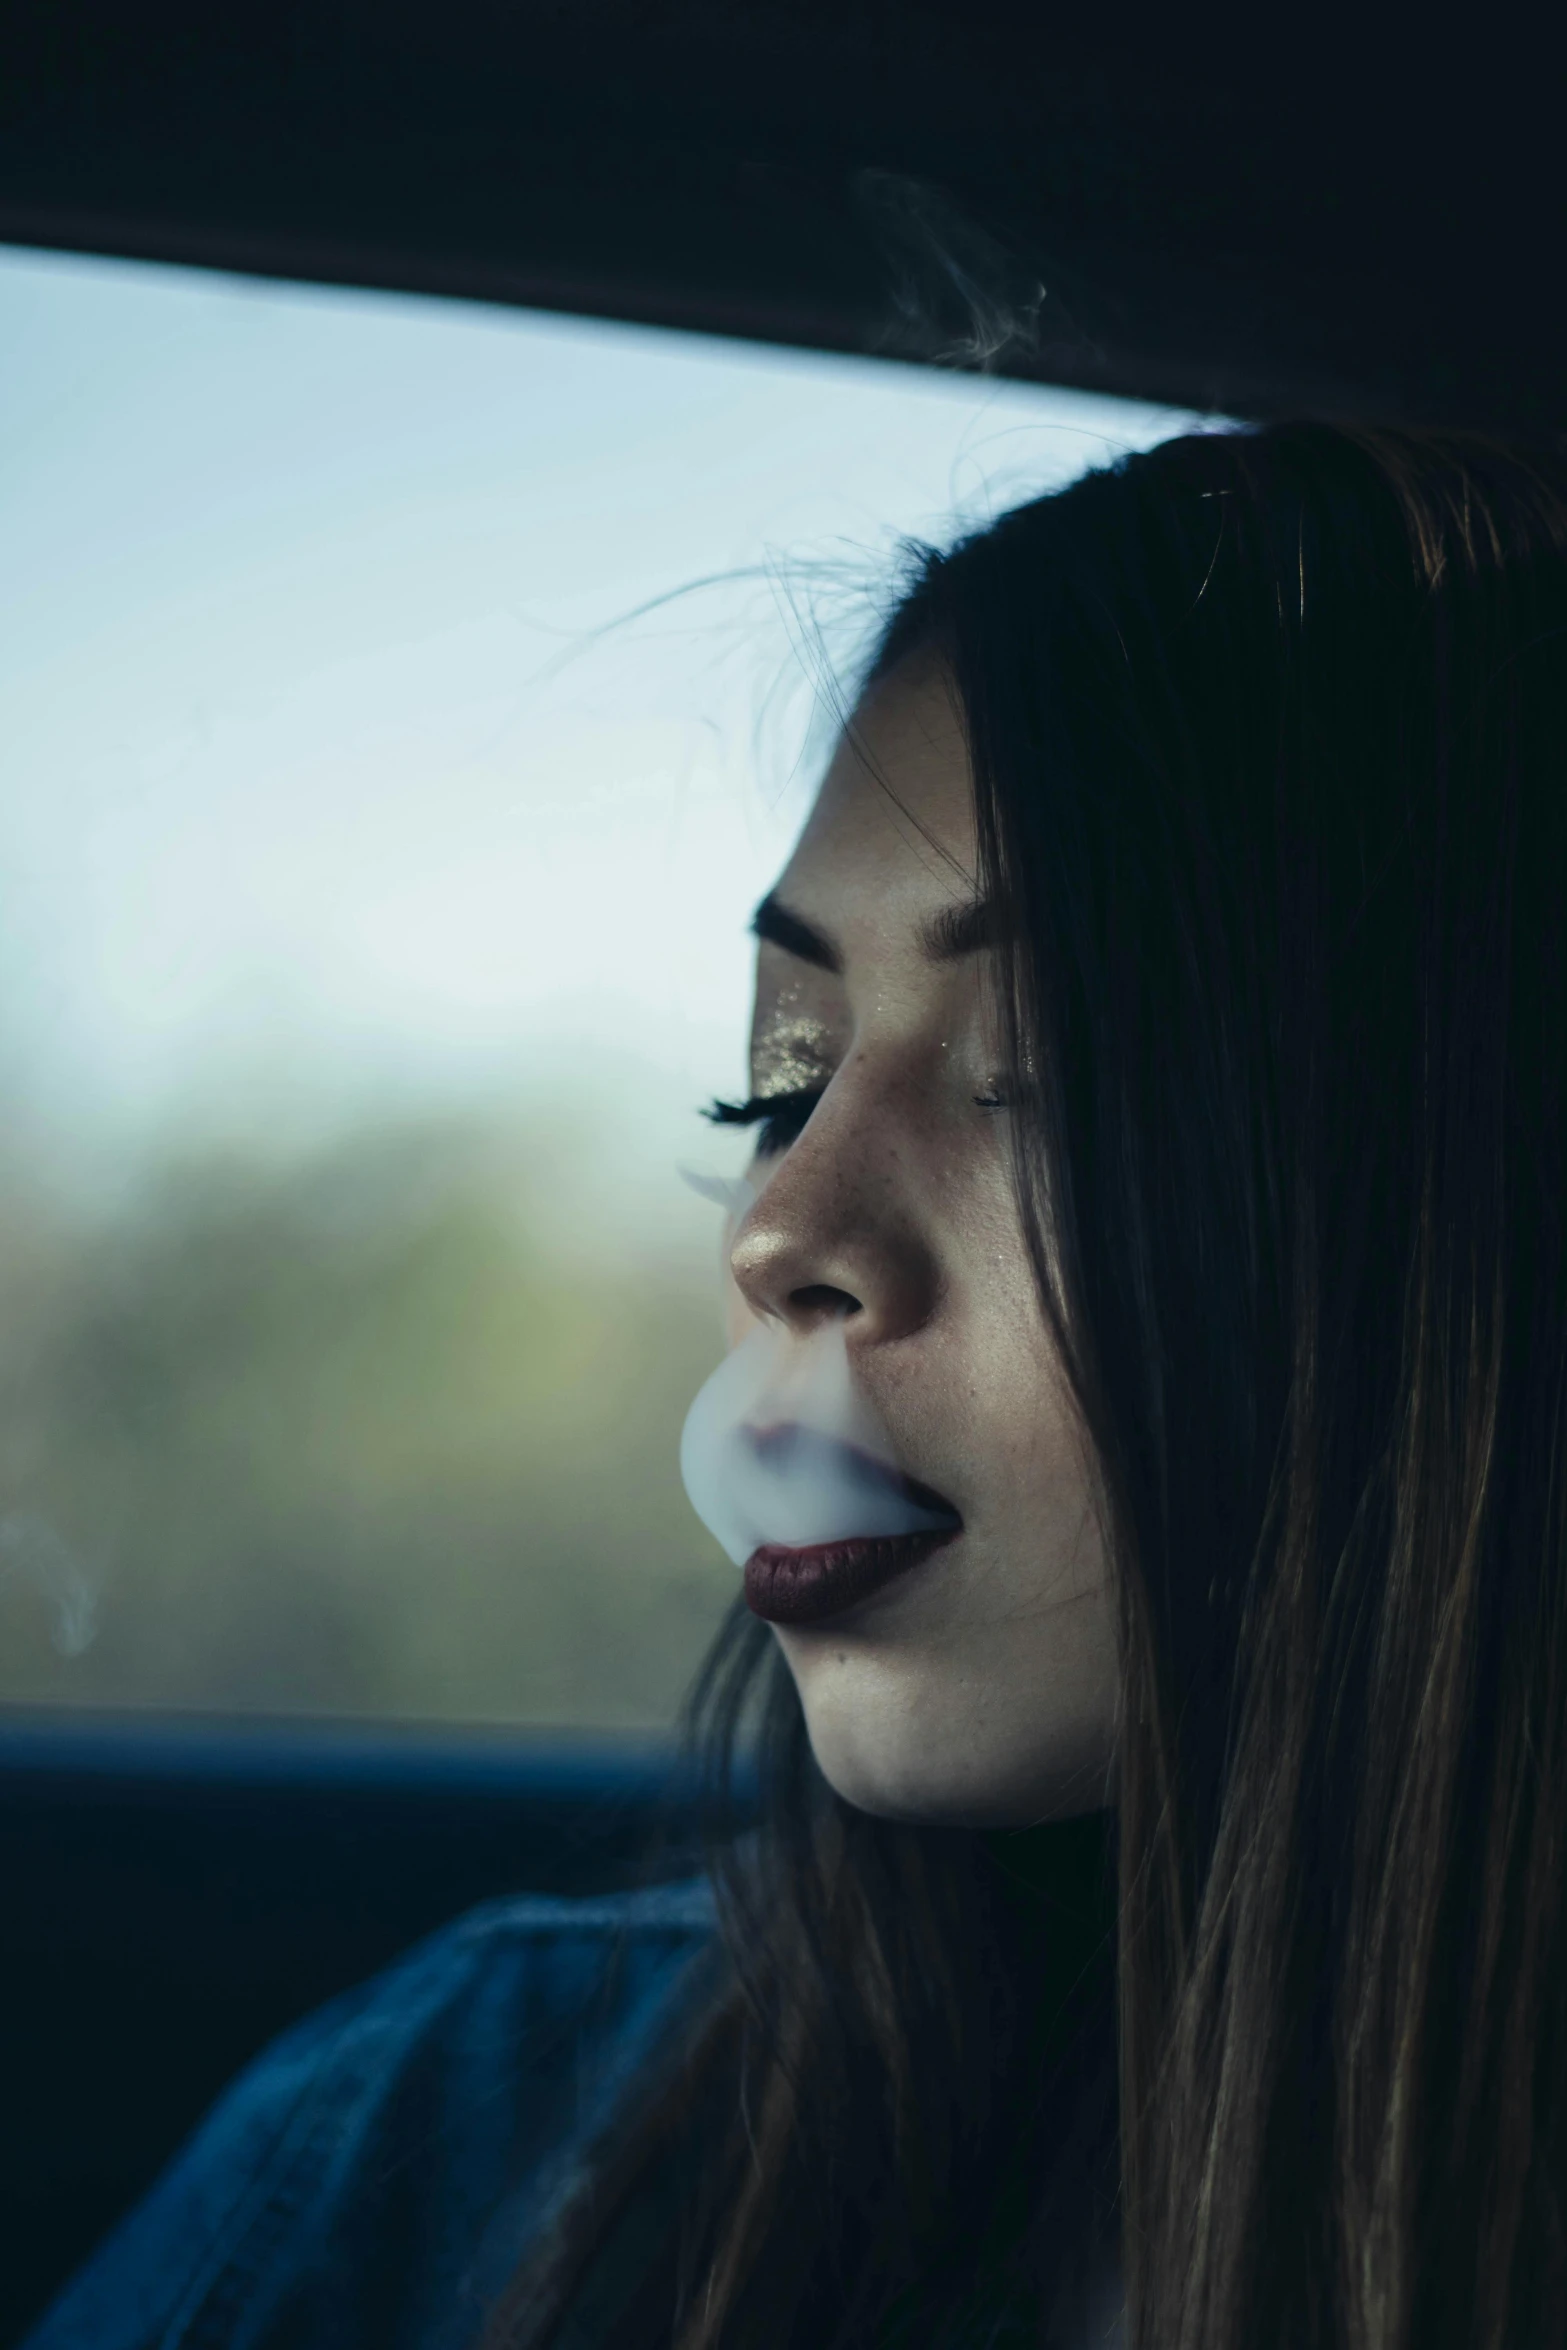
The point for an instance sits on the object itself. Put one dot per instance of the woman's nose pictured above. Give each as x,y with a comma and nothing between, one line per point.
834,1233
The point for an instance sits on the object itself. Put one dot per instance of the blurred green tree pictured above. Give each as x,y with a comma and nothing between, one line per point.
356,1434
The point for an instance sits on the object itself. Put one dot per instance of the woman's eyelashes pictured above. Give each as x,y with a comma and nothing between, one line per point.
779,1118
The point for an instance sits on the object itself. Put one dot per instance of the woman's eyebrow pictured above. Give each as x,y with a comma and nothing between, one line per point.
781,927
956,931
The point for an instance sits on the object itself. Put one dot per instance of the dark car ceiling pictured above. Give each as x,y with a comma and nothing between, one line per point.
1246,213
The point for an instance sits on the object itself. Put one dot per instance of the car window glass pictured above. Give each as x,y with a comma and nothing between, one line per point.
402,704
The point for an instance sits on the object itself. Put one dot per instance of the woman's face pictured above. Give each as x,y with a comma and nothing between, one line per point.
978,1686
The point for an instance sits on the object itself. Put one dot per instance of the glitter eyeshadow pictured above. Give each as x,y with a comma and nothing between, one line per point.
790,1057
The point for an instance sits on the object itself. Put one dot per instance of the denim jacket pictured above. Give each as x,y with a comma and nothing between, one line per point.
372,2180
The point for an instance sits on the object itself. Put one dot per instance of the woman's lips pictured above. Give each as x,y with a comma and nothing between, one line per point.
786,1586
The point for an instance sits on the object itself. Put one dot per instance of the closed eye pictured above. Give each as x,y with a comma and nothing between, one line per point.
779,1118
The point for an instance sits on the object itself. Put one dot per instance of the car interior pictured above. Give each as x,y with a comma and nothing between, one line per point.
1237,216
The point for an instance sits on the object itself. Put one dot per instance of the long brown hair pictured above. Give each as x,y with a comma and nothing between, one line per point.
1269,739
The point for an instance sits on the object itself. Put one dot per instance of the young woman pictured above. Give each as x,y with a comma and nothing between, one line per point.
1155,1931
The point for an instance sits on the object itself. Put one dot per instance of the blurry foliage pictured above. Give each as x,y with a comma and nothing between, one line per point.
360,1434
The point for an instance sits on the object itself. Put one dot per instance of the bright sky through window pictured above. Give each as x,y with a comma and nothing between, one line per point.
335,771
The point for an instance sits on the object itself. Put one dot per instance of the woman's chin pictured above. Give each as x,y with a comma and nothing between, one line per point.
910,1745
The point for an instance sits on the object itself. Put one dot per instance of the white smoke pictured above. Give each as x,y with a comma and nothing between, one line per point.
781,1447
32,1552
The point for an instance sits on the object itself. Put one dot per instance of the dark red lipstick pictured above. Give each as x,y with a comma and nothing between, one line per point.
786,1586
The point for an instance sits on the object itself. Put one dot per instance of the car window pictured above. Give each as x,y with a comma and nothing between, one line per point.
401,705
